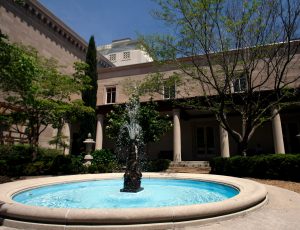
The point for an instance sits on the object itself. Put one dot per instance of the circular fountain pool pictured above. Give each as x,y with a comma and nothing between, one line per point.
243,196
106,194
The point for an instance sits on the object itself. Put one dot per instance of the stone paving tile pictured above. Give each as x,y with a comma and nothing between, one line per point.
282,212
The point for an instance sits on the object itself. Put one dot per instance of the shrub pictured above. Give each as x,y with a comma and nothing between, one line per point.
16,158
67,165
104,161
103,156
61,165
35,168
3,167
158,165
273,166
77,164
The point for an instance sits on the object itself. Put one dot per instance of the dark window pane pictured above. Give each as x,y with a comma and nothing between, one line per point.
210,137
113,96
200,137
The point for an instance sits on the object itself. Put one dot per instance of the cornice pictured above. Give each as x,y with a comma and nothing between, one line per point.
47,23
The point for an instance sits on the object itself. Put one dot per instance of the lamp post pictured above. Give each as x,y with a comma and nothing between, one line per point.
89,142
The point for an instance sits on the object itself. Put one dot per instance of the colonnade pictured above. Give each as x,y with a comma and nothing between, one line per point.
223,134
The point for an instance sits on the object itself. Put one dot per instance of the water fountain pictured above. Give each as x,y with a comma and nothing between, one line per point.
131,132
158,206
133,174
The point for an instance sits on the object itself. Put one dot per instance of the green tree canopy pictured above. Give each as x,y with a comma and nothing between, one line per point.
89,95
36,92
153,124
238,54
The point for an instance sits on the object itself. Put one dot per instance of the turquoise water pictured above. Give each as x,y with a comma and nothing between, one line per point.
106,194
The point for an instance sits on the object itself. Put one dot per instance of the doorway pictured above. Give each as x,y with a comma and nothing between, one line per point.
205,142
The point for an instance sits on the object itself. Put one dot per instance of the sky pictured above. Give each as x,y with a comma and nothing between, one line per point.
107,20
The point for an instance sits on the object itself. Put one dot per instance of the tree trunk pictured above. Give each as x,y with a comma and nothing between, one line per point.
35,140
243,147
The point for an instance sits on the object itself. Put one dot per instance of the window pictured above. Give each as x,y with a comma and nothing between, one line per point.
240,84
126,55
169,90
110,95
112,57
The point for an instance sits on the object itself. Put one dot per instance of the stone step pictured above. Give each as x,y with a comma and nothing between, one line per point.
194,164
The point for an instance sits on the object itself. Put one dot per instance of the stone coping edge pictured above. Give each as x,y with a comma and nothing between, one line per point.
251,194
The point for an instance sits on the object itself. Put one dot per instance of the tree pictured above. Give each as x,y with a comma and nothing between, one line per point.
36,92
153,124
89,95
238,53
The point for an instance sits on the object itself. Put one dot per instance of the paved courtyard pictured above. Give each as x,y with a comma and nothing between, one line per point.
282,212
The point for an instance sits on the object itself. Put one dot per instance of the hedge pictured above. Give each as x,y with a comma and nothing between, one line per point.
157,165
16,160
104,161
273,166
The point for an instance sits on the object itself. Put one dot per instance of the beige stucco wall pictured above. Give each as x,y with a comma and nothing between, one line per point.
20,30
121,77
125,76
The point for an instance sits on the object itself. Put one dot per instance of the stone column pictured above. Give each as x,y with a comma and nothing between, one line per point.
176,136
224,143
99,132
277,133
66,132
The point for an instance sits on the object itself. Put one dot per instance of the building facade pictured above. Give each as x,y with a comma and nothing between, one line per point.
196,135
124,52
31,24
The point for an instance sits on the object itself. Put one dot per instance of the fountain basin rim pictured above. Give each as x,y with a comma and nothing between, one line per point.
250,194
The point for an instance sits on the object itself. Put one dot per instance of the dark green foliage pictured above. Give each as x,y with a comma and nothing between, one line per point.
3,167
104,161
36,90
89,95
77,164
15,160
16,157
69,164
36,168
61,165
103,156
158,165
154,125
273,166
